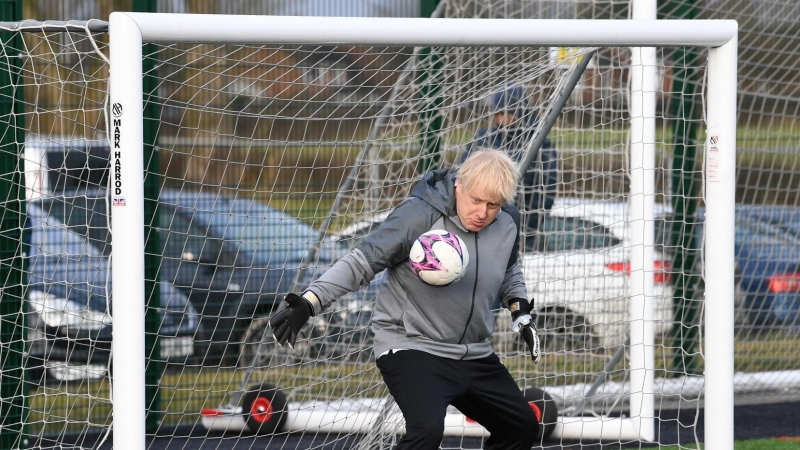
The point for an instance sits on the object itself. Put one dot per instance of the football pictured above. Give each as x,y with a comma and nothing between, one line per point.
438,257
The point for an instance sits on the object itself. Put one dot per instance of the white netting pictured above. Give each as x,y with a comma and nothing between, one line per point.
66,334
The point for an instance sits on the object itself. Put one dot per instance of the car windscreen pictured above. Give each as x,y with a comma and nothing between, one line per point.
76,165
563,234
354,239
783,221
556,234
755,236
85,215
268,236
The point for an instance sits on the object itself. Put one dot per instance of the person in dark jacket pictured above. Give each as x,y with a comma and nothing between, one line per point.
432,343
513,127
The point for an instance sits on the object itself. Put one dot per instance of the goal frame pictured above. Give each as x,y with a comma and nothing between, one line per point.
129,31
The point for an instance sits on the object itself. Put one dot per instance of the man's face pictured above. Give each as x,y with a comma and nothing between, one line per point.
504,119
475,209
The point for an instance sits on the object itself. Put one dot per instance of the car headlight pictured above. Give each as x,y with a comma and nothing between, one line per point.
60,312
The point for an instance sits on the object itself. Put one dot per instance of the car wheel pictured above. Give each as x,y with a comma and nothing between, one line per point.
562,330
264,408
740,305
259,349
545,409
741,319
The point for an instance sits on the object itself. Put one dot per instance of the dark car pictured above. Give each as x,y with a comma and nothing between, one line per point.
235,258
768,263
68,289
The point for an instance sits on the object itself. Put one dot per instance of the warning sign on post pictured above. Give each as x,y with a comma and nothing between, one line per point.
714,159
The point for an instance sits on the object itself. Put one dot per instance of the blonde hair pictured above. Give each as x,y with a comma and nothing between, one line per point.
492,172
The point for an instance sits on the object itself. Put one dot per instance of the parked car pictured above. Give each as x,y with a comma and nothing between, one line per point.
237,258
577,268
234,258
69,318
767,251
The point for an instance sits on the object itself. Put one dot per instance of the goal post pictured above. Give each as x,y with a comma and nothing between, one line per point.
719,246
129,31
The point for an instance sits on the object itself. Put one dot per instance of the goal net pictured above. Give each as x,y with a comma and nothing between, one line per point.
255,166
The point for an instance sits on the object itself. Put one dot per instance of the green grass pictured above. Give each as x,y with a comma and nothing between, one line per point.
76,407
303,180
186,391
754,444
767,444
770,351
73,407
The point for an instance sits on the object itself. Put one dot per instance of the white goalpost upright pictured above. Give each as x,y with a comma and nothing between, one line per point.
640,225
127,224
129,31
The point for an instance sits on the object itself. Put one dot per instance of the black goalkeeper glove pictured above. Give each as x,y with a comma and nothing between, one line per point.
523,324
286,323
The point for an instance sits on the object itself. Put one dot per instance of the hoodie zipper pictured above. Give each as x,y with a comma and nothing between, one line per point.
472,306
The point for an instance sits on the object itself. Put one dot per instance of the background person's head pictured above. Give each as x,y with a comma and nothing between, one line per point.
507,103
485,182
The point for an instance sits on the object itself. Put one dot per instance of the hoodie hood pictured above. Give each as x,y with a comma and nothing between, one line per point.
437,188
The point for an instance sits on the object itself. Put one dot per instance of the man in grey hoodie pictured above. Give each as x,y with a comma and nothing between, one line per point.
432,342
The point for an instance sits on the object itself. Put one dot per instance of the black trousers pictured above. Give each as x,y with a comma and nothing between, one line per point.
424,385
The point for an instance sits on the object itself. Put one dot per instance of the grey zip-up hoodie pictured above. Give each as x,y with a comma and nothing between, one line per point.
453,321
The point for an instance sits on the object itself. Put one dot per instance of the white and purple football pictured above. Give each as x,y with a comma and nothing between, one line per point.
439,257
